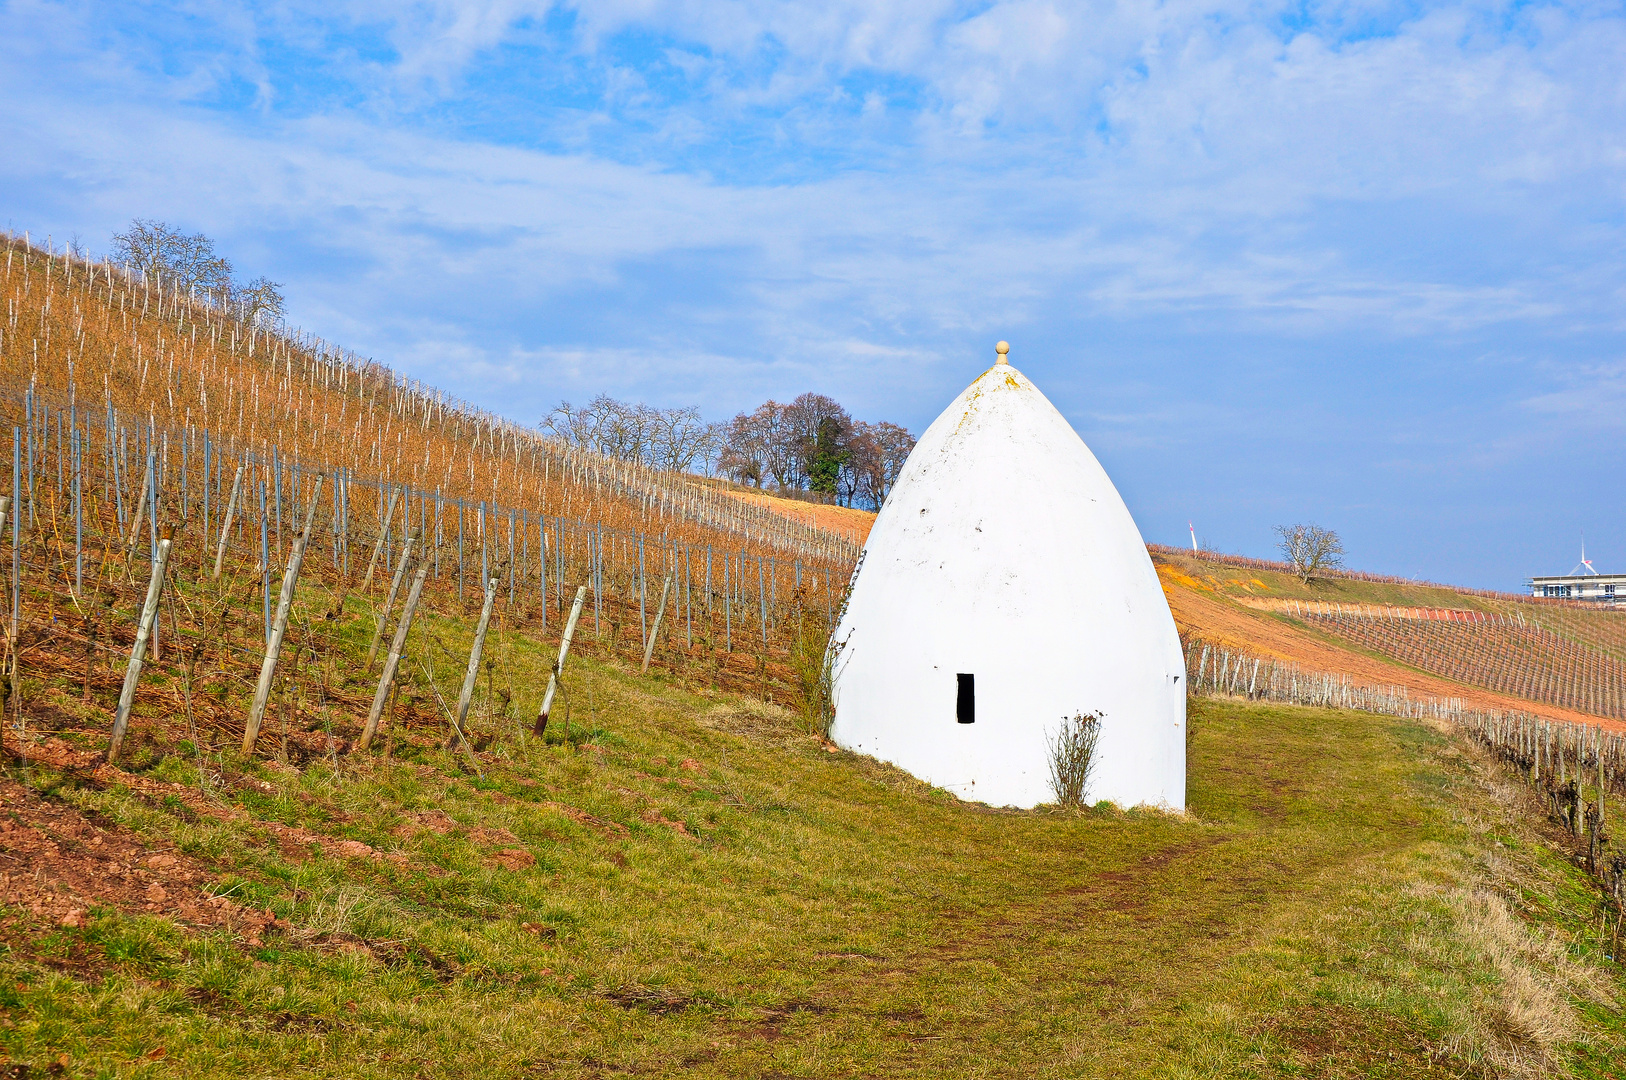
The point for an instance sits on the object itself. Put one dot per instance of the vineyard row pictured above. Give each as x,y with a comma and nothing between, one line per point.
117,528
1494,651
188,361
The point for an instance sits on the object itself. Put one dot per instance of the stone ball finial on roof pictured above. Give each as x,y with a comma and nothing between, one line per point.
1003,349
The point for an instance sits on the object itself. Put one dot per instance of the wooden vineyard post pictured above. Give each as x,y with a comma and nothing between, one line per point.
649,646
11,640
279,626
387,680
265,566
344,501
378,546
225,522
79,517
138,652
203,548
389,604
1603,791
467,693
141,504
559,664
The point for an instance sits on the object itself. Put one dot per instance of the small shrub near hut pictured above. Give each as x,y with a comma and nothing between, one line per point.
812,663
1072,757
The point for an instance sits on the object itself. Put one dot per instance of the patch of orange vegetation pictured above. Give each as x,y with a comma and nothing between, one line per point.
844,520
1169,573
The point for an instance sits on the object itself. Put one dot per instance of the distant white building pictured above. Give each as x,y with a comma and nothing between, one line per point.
1581,583
1602,588
1003,589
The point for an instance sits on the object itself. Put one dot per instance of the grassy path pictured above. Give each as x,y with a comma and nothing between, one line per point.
700,890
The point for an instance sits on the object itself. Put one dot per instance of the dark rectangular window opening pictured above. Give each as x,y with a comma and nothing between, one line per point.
965,703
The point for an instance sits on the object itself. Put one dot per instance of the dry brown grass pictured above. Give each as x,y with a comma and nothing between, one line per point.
842,520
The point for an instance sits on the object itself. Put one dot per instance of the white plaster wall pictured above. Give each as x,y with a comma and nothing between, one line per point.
1004,551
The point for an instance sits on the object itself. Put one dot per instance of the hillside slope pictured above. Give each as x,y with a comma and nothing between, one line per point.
1495,652
141,413
89,337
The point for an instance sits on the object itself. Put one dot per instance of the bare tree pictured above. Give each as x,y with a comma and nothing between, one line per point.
744,455
261,301
783,461
583,427
674,439
188,261
875,457
679,439
1310,550
761,445
895,445
860,467
625,431
610,427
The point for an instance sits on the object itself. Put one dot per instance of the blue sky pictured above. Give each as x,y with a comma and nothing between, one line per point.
1361,264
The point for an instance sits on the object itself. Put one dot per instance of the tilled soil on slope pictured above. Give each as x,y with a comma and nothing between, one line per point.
57,865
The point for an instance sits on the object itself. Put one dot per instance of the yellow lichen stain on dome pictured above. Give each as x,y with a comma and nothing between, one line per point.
973,393
1011,380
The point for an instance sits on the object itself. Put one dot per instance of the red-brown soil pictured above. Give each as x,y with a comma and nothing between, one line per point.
58,865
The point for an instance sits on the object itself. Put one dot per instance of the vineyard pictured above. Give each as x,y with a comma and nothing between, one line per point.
1506,653
281,497
173,362
340,718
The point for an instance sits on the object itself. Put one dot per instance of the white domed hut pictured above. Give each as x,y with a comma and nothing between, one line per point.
1004,589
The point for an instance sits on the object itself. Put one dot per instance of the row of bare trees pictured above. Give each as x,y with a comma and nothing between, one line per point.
675,439
189,263
809,444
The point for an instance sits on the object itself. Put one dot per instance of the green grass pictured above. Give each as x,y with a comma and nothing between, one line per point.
1350,896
